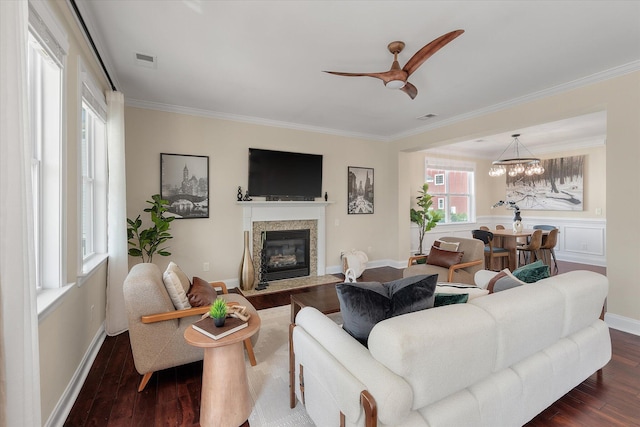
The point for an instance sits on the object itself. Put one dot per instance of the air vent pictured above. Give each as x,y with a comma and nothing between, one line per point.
144,60
427,116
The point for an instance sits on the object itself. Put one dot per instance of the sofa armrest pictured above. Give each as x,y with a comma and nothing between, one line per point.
455,267
346,364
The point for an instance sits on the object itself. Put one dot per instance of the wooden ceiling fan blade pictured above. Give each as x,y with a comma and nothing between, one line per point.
410,90
340,73
428,50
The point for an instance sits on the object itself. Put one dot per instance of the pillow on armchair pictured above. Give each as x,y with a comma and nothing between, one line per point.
443,258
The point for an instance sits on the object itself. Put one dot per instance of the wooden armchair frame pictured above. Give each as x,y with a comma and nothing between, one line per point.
414,260
179,314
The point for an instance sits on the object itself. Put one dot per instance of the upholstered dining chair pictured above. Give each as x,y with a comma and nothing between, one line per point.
547,248
499,227
485,228
490,252
531,250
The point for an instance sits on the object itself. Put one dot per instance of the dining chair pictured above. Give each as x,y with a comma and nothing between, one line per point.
500,227
490,252
549,242
532,248
484,227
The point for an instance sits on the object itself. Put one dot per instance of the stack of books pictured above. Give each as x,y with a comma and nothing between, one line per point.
231,325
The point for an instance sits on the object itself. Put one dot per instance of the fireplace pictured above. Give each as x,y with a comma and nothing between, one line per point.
286,254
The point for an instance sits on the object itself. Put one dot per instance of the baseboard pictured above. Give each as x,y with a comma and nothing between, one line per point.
621,323
63,407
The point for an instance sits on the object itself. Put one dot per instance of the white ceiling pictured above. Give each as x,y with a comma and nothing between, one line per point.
262,61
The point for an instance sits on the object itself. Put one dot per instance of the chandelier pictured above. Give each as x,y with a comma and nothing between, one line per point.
516,165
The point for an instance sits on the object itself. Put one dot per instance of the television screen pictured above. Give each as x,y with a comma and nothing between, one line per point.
284,174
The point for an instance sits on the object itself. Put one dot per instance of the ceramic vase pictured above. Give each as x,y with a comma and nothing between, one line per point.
247,271
219,321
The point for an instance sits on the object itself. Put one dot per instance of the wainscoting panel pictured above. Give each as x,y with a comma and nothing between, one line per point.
580,240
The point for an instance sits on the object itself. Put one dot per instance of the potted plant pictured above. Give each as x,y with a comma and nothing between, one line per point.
426,218
146,243
218,311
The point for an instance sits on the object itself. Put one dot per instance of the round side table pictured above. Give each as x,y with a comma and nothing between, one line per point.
225,389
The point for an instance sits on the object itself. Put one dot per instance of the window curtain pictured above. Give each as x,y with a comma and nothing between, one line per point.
19,353
116,321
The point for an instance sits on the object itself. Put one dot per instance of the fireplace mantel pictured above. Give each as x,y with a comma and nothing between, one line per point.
287,211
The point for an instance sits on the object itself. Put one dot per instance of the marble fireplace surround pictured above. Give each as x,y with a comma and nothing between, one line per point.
284,215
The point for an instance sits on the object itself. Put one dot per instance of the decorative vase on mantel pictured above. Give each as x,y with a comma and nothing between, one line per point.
247,271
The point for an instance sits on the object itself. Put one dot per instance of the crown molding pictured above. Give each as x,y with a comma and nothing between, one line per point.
594,78
169,108
554,90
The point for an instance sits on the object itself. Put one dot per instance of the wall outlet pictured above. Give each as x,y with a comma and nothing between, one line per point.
598,211
205,266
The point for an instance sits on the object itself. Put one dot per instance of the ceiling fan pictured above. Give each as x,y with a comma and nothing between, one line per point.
396,78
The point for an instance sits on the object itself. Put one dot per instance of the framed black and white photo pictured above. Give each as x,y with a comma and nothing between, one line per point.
184,182
559,188
360,190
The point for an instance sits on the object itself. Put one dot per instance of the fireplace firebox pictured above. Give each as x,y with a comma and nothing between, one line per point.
286,254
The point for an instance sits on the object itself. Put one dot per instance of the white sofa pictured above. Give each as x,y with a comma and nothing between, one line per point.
496,361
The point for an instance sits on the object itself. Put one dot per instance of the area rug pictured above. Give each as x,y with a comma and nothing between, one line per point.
269,379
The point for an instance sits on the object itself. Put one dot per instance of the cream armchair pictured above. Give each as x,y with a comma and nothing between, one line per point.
462,272
156,328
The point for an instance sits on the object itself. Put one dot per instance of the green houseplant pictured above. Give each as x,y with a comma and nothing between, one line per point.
218,311
426,217
145,243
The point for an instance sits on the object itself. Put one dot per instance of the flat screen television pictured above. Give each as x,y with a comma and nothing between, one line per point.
282,175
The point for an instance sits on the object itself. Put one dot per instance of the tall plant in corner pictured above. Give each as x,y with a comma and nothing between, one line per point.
426,218
146,243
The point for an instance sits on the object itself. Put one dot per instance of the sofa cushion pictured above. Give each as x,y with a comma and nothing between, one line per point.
364,304
176,292
201,293
443,258
533,272
448,299
411,293
504,280
461,288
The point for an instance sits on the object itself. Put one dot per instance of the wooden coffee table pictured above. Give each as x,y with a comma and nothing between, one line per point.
225,389
325,299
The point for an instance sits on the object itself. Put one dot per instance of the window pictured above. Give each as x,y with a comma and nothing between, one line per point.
45,76
93,177
453,189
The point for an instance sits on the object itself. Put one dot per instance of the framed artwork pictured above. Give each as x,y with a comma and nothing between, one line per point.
184,182
360,190
559,188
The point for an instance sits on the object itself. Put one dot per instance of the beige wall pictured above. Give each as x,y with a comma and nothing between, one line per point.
218,239
67,331
620,97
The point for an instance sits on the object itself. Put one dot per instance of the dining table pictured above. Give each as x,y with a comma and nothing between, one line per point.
510,242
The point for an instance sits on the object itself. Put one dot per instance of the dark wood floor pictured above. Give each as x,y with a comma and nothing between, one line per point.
172,397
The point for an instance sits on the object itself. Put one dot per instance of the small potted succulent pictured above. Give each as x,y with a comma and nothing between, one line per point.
218,311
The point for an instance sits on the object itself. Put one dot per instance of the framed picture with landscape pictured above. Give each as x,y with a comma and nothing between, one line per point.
359,190
184,182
